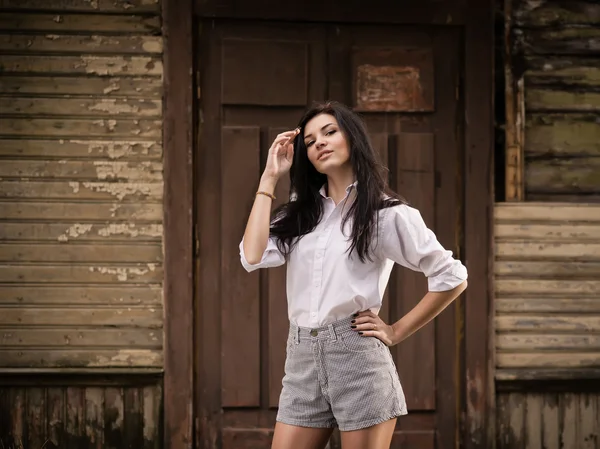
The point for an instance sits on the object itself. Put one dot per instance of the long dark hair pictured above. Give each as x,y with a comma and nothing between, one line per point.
303,212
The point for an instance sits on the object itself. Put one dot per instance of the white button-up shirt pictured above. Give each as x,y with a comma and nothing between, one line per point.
326,284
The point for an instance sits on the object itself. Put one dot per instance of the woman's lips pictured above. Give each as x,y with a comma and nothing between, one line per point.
324,154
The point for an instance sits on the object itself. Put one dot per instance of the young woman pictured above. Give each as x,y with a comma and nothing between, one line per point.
340,235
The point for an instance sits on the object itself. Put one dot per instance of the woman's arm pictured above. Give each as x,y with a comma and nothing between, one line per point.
279,161
432,304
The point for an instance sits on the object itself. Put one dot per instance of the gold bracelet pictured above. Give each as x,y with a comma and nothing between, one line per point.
266,194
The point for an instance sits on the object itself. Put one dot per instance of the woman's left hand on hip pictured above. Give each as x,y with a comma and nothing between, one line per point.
367,324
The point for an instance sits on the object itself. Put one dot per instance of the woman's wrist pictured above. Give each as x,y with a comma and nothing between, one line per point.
399,332
268,183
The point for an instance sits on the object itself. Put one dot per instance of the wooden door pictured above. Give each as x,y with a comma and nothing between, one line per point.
256,79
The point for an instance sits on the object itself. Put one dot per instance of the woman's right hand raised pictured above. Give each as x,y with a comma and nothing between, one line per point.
281,155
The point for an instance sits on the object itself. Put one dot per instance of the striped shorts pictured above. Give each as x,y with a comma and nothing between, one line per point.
337,378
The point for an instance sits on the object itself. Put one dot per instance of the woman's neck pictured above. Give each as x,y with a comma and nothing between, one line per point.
337,185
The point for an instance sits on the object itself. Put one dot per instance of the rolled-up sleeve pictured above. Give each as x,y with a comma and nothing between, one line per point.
272,257
408,241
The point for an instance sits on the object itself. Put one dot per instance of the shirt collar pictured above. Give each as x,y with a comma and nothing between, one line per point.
323,190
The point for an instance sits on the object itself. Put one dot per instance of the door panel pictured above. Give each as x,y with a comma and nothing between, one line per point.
256,80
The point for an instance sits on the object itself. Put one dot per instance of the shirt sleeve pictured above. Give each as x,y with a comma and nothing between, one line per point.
408,241
272,257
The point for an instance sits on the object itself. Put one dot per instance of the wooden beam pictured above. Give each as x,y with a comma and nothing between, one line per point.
515,116
478,210
178,225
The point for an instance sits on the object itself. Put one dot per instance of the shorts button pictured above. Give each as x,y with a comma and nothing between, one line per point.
314,332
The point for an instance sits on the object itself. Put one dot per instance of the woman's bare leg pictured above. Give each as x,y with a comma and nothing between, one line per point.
295,437
375,437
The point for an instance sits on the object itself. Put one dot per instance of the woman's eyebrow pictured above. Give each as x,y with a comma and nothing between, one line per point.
310,135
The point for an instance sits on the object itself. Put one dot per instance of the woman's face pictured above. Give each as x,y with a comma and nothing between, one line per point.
326,145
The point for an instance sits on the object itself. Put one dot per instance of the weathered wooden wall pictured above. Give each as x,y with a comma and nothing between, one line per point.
80,221
555,49
548,420
547,325
76,417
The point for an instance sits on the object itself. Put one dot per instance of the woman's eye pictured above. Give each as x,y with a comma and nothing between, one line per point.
308,144
330,132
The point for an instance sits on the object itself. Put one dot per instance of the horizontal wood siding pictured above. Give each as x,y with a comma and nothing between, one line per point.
557,44
80,191
77,417
548,420
547,290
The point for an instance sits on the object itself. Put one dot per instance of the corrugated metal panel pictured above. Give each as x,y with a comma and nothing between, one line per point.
81,184
547,290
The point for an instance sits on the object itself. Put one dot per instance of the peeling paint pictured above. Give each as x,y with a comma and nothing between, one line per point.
121,190
129,357
75,186
112,88
113,107
92,3
96,65
114,170
116,150
154,230
154,46
75,231
122,273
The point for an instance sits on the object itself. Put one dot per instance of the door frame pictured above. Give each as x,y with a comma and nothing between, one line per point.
181,417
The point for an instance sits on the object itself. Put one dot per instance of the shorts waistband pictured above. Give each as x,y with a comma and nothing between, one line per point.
329,332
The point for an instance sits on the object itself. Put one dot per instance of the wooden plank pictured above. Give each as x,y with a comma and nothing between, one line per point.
84,149
132,316
547,287
533,423
87,23
113,418
100,6
36,416
82,170
81,338
152,425
533,13
550,422
56,416
542,304
565,40
417,362
564,213
81,295
552,360
589,420
74,252
477,204
547,270
525,249
547,323
75,422
561,99
115,232
578,175
77,190
547,341
67,43
130,87
569,420
103,128
133,424
81,212
278,323
516,420
81,358
88,107
87,274
91,65
239,289
552,135
94,417
541,232
582,73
